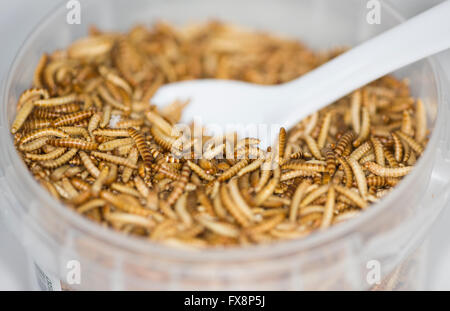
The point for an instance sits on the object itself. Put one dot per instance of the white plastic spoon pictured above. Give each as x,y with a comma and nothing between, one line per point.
220,103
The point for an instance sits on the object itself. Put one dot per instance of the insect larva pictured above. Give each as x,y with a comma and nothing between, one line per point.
90,167
406,151
238,199
30,95
421,122
378,150
390,158
388,171
111,132
107,97
21,116
125,203
345,216
72,118
231,207
329,209
125,189
68,187
297,173
34,145
57,101
109,75
343,142
365,127
80,184
233,170
355,111
114,159
269,188
199,171
281,144
61,160
212,153
398,147
352,196
92,204
313,195
251,167
142,146
296,155
73,143
411,142
359,176
46,156
113,144
313,147
347,171
166,142
167,171
106,117
127,171
319,168
407,127
34,124
324,129
266,225
159,122
179,186
42,133
94,122
221,228
376,181
359,152
297,198
182,212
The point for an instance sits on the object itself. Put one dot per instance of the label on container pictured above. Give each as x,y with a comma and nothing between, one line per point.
46,281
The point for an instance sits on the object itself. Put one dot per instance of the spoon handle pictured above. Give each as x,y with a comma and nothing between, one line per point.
417,38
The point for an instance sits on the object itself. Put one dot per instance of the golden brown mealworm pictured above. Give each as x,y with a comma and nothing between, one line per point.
142,146
221,228
398,147
238,199
45,132
57,101
180,185
72,143
347,171
359,152
61,160
199,171
298,197
329,209
421,122
115,143
72,118
388,171
127,171
313,147
407,127
281,144
46,156
87,162
34,124
359,177
106,96
324,129
417,147
351,195
111,132
156,120
21,116
343,142
251,167
356,110
390,158
233,170
319,168
365,127
231,207
114,159
378,150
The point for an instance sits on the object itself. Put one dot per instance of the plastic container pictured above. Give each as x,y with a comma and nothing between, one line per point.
386,238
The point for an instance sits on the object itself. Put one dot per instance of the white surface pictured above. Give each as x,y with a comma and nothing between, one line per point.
17,17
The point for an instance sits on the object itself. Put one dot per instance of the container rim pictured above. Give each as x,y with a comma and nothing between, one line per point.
131,244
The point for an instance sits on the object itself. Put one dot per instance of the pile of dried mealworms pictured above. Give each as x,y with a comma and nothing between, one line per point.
89,136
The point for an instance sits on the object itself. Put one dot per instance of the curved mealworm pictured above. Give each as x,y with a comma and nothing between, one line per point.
411,142
233,170
57,101
421,122
104,93
281,144
365,127
94,122
21,116
251,167
231,207
269,188
388,172
390,158
87,162
125,203
347,171
127,171
142,146
46,156
238,199
359,176
72,118
297,173
61,160
34,124
407,126
111,132
378,150
73,143
398,147
45,132
355,110
221,228
343,142
180,185
115,79
115,143
313,147
199,171
359,152
320,168
313,195
297,198
297,155
114,159
324,129
329,209
352,196
158,121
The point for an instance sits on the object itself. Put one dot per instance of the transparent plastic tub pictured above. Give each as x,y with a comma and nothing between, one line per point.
388,236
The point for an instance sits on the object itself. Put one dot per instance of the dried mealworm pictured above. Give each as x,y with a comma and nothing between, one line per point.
57,101
61,160
127,171
313,147
72,118
417,147
46,156
365,127
45,132
359,176
347,171
114,159
115,143
343,142
73,143
378,150
21,116
232,170
388,171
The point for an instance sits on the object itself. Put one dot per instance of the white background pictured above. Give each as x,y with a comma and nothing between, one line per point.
17,18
